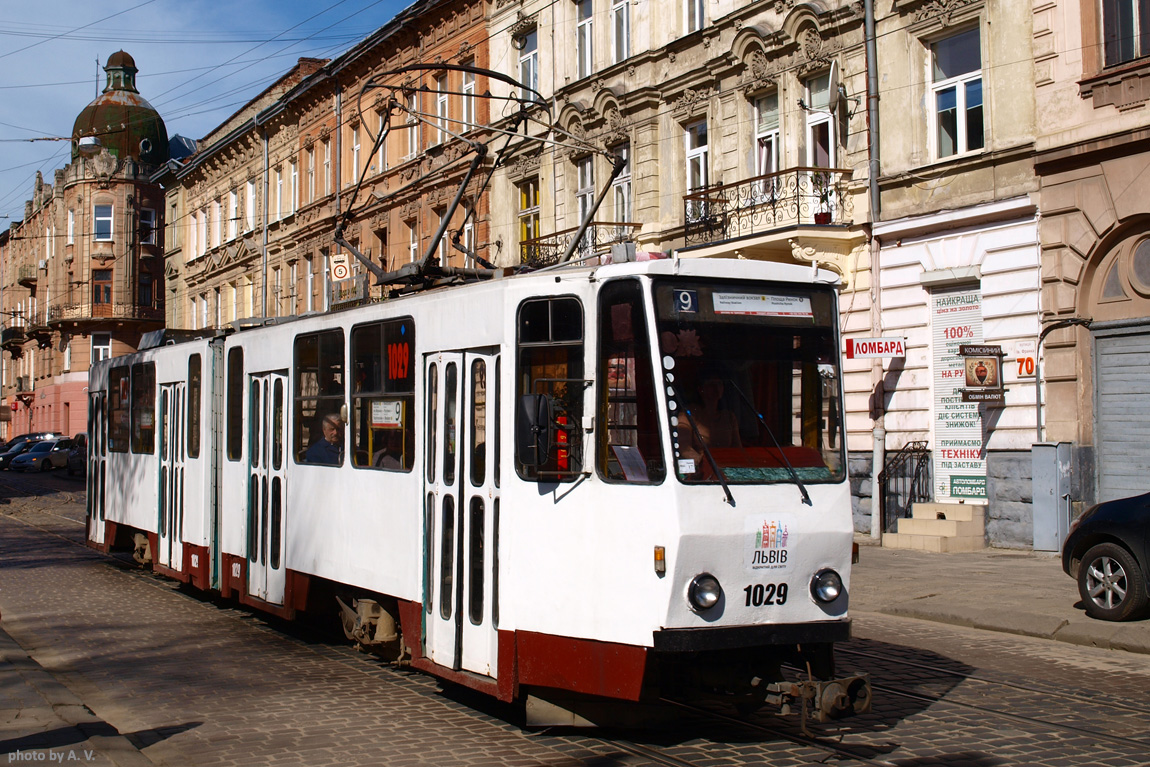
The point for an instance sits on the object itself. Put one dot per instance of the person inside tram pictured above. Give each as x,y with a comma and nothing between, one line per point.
717,426
390,454
328,450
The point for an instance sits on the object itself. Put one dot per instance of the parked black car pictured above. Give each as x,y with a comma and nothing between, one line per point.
34,436
78,455
21,447
44,455
1108,551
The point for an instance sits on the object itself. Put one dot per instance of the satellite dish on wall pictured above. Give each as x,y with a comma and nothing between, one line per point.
834,88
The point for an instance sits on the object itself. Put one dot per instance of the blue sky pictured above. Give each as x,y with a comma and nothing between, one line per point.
199,61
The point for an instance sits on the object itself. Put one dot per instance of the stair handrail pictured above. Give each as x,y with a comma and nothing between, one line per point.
917,450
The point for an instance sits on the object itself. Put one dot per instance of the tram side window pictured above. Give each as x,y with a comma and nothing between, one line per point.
235,395
195,390
383,395
629,448
144,408
320,384
550,362
119,401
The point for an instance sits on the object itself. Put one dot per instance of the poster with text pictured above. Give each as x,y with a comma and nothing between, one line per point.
959,461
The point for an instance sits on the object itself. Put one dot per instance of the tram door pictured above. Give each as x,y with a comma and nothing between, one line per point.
461,511
266,491
171,496
97,460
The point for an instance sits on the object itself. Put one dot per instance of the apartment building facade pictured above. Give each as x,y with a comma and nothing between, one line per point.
81,278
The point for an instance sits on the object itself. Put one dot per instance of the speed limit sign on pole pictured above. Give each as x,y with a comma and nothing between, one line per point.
340,269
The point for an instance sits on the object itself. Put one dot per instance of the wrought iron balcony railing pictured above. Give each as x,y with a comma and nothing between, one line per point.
117,310
789,198
596,241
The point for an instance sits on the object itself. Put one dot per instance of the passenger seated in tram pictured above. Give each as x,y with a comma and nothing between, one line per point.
717,426
390,454
328,450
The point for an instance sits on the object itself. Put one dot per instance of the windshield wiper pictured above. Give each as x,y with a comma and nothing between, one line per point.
782,455
706,451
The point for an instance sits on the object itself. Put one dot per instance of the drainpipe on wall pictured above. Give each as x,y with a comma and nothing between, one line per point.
878,455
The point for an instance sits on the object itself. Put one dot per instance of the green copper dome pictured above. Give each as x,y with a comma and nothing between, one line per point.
121,119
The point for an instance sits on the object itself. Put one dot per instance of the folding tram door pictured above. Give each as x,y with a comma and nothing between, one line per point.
171,495
97,464
267,494
461,510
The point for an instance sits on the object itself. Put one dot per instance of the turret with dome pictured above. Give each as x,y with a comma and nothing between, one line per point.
121,119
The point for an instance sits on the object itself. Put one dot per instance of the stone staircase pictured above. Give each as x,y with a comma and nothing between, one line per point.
940,527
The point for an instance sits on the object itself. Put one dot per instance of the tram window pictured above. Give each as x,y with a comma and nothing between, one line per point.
277,435
383,394
478,437
257,420
630,446
428,548
432,417
476,557
550,362
144,408
447,557
195,387
498,443
450,416
320,385
235,414
119,400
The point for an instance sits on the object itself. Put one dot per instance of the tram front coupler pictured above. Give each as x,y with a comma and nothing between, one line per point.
822,699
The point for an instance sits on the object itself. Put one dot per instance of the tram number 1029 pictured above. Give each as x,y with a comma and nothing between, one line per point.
766,594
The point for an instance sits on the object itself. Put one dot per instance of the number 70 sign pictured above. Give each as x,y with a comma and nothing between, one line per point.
1023,362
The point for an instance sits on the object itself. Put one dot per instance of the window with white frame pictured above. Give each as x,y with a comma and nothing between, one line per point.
529,62
233,214
441,248
293,190
234,291
292,288
193,241
441,113
620,30
147,226
217,214
278,191
71,227
956,89
584,48
584,185
250,207
381,160
311,174
327,167
697,162
766,134
693,15
412,124
621,187
820,122
103,223
203,310
1123,36
412,241
356,171
219,308
469,240
277,290
202,220
468,98
310,303
101,346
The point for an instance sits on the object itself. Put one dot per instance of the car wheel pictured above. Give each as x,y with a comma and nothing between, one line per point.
45,464
1111,584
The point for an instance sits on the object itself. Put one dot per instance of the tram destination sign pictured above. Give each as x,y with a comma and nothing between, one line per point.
859,348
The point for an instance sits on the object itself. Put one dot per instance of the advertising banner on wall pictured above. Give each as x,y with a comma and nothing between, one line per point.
959,463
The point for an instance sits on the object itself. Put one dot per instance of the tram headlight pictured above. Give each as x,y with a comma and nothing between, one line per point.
826,586
704,592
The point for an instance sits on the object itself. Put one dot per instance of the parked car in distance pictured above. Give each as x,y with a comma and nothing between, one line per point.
10,454
45,454
78,455
32,436
1108,551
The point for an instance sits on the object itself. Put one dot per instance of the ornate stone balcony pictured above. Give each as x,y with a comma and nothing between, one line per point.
788,199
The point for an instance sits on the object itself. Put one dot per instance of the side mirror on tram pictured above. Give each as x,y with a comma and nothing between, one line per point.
534,429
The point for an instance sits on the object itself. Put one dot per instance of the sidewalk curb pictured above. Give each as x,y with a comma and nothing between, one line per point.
45,702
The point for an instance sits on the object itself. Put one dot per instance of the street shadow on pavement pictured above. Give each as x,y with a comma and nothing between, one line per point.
73,735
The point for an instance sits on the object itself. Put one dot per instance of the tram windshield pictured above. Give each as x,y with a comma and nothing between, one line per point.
752,379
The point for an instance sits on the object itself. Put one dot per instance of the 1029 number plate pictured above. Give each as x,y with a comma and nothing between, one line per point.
766,594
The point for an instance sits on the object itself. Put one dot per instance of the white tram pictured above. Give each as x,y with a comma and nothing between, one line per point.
537,491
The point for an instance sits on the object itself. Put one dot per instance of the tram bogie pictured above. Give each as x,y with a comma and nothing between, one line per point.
609,483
